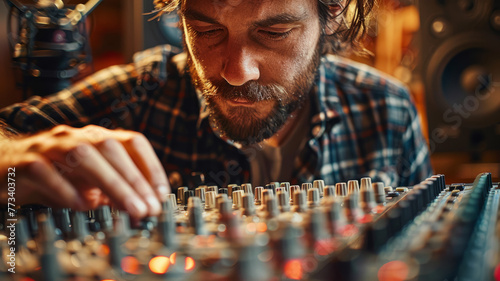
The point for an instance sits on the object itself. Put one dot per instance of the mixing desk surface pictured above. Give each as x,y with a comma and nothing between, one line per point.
357,230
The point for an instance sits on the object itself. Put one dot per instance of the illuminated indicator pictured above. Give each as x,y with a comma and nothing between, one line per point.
393,271
131,265
189,263
497,273
159,265
172,258
27,279
293,270
108,280
104,250
261,227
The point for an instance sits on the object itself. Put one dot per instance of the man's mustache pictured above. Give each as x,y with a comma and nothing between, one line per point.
252,91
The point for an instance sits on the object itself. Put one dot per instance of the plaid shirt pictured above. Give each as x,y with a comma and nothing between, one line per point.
363,123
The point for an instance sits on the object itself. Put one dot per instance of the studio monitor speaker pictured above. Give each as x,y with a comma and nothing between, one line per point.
460,67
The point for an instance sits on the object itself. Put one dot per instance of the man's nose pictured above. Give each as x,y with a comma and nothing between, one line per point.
240,64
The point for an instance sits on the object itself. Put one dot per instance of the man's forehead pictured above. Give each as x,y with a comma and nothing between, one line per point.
256,9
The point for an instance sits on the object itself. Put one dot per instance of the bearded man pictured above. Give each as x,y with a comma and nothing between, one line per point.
259,95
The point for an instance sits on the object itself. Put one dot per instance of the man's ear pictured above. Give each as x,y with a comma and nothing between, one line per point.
335,20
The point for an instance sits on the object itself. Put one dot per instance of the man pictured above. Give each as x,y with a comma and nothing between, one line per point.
254,99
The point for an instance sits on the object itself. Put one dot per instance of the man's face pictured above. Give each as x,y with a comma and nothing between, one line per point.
254,60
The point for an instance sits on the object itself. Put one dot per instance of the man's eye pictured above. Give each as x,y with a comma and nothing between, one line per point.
276,35
208,33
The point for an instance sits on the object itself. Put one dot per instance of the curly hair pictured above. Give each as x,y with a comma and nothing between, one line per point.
353,21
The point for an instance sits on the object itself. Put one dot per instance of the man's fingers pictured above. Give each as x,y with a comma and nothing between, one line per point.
99,172
141,151
117,156
46,181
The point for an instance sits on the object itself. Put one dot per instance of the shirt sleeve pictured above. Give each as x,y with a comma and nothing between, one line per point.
414,163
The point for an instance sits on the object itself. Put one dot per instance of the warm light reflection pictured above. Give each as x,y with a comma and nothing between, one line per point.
293,269
366,218
172,258
393,271
131,265
323,247
104,250
189,264
349,230
27,279
261,227
108,280
159,265
251,227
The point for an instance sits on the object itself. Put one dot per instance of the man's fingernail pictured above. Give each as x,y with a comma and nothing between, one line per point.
135,207
163,191
154,204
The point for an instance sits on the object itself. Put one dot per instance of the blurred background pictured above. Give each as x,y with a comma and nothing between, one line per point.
446,51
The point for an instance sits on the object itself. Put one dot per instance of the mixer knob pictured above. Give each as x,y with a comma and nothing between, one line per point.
200,193
335,214
317,230
46,228
219,199
223,191
248,205
299,202
341,189
320,185
195,215
306,186
270,187
271,208
266,195
247,188
258,195
237,199
366,183
352,187
121,224
103,218
286,186
230,189
79,226
63,221
329,191
368,203
223,204
313,197
214,189
210,200
283,202
378,188
293,189
187,194
180,195
172,204
353,211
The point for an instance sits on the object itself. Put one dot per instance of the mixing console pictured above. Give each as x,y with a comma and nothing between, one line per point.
357,230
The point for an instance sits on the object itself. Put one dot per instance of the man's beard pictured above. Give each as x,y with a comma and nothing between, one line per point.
243,124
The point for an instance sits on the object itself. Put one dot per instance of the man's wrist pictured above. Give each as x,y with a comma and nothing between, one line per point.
7,132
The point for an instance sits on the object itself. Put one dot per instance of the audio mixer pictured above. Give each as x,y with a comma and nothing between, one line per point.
356,230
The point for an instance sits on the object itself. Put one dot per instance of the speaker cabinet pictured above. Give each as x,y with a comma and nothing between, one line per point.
460,67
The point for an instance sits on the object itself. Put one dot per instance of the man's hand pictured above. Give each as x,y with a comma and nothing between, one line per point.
84,168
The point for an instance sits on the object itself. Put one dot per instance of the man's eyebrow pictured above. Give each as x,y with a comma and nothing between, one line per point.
277,19
280,19
195,15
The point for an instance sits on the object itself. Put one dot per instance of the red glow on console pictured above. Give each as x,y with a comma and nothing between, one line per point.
393,271
293,269
159,265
